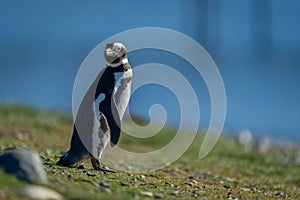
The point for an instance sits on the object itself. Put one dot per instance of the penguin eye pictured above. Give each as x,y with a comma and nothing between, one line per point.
117,48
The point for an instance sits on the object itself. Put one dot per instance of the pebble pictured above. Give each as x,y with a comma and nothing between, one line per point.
70,177
107,190
191,183
124,184
90,174
230,179
278,193
81,167
205,174
48,152
103,172
169,184
245,189
145,193
230,197
226,186
104,184
39,192
159,196
176,192
129,168
195,193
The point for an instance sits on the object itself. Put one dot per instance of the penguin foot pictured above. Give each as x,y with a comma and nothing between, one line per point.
97,166
71,160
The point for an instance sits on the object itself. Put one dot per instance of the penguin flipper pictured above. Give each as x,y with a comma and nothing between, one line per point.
115,135
115,126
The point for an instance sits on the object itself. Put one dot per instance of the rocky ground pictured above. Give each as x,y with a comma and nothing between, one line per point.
235,169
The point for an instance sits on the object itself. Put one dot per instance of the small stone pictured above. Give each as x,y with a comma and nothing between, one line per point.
105,185
226,186
25,164
191,183
107,190
278,193
124,184
230,197
39,192
230,179
195,193
70,177
169,184
205,174
142,176
129,168
245,189
106,168
48,152
103,172
81,167
159,196
145,193
90,174
175,193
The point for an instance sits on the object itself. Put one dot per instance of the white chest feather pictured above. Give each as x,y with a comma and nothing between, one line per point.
122,92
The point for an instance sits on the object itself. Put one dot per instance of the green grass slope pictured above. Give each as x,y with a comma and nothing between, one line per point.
228,172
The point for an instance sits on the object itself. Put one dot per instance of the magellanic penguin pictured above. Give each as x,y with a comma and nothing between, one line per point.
106,123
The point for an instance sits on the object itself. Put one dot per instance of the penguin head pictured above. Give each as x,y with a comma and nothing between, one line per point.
115,53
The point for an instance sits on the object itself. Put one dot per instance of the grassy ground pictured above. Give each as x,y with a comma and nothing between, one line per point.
227,173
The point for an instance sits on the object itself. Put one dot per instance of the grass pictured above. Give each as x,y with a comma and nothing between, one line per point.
228,172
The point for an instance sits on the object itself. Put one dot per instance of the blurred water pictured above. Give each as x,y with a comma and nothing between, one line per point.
42,45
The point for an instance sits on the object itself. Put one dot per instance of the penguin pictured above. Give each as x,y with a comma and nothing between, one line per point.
107,119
